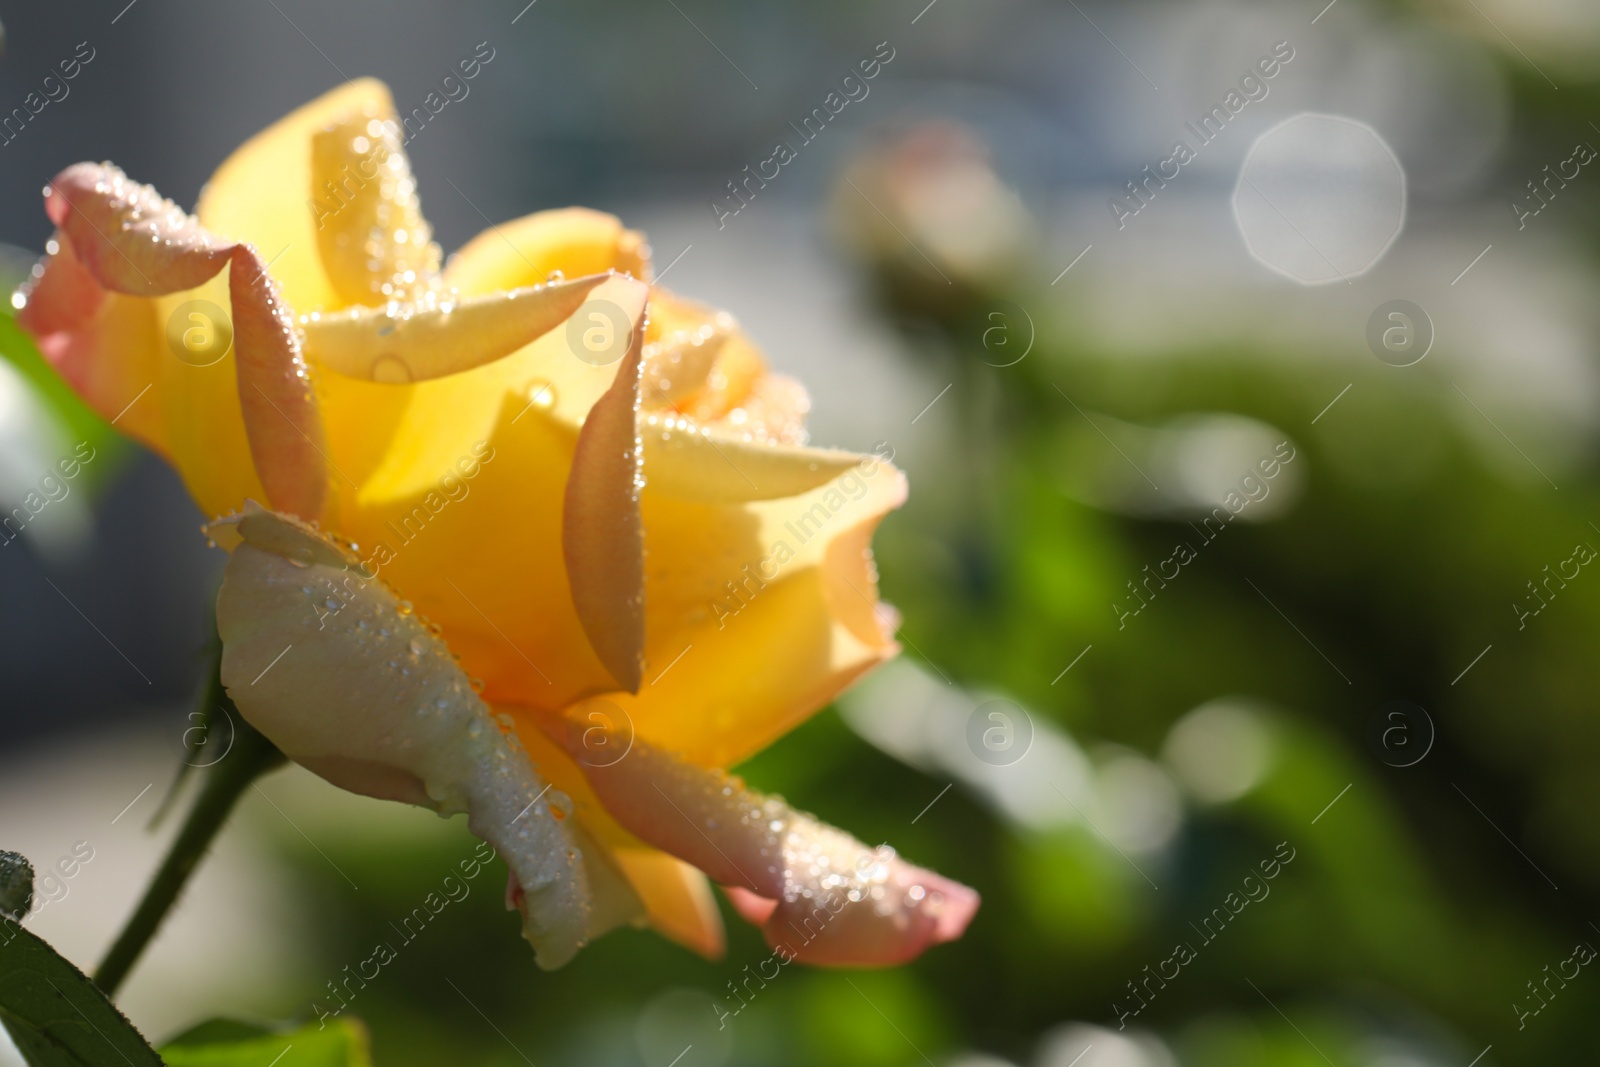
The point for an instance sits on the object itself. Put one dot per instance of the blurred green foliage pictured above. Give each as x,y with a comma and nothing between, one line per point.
228,1043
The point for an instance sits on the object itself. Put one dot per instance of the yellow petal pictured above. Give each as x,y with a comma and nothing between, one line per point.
464,512
374,244
412,344
574,241
708,365
681,347
262,193
329,665
688,463
677,899
615,901
738,367
199,401
758,614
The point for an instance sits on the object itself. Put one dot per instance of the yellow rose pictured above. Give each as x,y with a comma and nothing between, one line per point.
634,571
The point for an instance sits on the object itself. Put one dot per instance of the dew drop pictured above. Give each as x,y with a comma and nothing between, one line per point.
390,370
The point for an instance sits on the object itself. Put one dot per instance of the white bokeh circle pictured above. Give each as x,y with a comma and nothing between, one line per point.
1320,198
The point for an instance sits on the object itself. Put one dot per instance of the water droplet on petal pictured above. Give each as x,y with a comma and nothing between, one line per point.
390,369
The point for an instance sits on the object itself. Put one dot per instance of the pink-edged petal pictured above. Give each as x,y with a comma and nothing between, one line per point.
602,535
130,240
831,900
281,418
63,295
128,236
104,344
343,677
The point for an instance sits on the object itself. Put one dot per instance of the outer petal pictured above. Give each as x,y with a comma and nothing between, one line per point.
129,240
758,614
835,900
345,679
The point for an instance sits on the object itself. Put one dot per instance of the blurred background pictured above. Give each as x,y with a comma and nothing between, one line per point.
1245,609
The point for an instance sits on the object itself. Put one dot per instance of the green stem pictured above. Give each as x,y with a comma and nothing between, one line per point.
250,756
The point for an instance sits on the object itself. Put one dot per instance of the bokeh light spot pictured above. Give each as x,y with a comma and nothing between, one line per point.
1320,198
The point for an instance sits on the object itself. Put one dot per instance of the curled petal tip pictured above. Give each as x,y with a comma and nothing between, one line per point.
126,238
960,906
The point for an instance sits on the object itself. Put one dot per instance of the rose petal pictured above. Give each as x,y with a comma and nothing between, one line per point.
130,240
784,588
692,463
680,363
838,902
602,536
104,344
374,244
128,236
346,680
431,342
755,910
531,250
676,898
261,193
281,417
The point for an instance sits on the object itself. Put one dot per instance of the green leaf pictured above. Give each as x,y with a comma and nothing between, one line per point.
55,1014
229,1043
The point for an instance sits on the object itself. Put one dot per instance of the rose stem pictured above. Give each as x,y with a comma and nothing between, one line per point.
250,756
